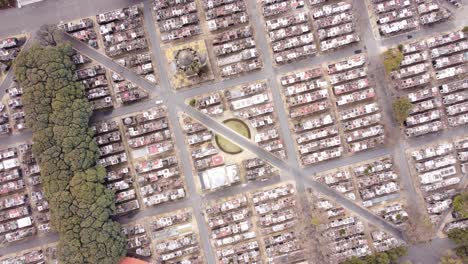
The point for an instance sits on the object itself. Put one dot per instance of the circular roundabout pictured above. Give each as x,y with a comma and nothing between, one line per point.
225,144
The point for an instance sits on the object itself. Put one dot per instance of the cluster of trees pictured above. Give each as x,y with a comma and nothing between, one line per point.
192,102
460,237
58,113
401,109
392,59
460,204
388,257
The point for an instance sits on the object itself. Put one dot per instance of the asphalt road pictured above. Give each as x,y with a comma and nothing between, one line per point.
64,10
178,101
428,253
194,200
6,82
271,76
381,84
30,18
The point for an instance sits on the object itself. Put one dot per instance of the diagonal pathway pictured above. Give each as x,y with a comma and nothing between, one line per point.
32,20
165,93
295,171
177,101
112,65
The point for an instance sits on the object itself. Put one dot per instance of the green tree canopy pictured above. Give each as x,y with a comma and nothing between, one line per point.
392,59
460,204
58,113
388,257
460,237
401,109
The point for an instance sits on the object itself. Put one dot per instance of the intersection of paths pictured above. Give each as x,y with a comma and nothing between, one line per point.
289,168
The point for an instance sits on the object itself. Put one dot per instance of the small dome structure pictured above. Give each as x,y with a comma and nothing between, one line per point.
185,57
128,121
190,62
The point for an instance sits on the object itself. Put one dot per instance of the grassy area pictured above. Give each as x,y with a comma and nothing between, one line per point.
392,59
226,145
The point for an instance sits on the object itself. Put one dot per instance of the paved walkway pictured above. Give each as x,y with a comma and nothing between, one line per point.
57,10
428,253
179,102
